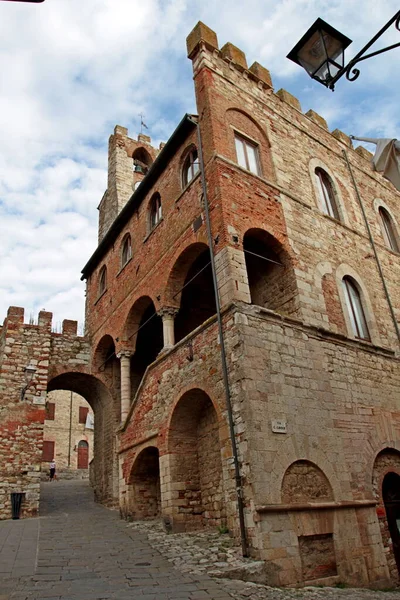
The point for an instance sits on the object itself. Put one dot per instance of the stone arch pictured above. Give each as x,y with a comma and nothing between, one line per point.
190,288
386,490
195,465
345,270
316,163
106,364
270,272
141,158
143,336
144,490
303,481
244,124
104,467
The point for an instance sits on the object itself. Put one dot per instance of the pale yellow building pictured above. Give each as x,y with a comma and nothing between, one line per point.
68,434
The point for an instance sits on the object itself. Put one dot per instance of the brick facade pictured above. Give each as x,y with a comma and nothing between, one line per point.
313,375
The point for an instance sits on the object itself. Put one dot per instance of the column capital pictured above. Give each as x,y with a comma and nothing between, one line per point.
168,312
124,354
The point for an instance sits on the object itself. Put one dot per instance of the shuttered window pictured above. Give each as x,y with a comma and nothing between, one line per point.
48,451
50,411
83,411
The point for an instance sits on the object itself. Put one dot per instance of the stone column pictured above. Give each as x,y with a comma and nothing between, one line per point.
124,357
168,315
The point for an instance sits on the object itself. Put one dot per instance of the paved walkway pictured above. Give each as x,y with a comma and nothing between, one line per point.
87,553
79,550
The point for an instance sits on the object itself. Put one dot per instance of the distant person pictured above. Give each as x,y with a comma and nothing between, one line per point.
53,470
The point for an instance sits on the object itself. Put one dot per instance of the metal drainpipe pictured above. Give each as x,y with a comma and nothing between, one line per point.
238,479
371,239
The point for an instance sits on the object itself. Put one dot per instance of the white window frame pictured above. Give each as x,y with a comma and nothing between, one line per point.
355,309
191,166
243,160
126,250
327,194
389,231
155,211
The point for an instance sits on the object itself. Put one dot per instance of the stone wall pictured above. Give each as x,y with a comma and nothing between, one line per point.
22,406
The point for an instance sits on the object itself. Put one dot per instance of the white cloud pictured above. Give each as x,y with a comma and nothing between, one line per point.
71,70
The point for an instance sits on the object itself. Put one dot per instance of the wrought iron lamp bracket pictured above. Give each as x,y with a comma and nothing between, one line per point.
351,73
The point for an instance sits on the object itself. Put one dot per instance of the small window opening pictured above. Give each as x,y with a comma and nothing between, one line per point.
190,167
126,253
388,230
355,309
247,154
155,211
326,194
103,280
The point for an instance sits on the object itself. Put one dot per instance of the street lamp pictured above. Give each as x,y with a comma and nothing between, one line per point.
321,52
29,372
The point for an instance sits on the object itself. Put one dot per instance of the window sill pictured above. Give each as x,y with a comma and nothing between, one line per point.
184,190
100,297
123,266
153,230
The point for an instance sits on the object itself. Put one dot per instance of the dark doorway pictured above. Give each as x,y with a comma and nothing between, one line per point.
391,499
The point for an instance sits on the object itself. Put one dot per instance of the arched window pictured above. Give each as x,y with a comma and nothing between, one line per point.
155,213
326,194
126,251
247,154
388,230
102,280
190,167
355,309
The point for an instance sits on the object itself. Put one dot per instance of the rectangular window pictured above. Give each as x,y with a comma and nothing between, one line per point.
247,155
50,411
83,411
48,451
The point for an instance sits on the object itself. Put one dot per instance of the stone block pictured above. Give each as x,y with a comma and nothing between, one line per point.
234,54
285,96
201,33
261,73
311,114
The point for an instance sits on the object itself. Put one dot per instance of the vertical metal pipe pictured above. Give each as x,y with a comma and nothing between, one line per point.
70,430
371,239
238,479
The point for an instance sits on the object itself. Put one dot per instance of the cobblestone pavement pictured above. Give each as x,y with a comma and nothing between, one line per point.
86,552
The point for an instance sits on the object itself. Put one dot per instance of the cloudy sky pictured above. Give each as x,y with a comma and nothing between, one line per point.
72,69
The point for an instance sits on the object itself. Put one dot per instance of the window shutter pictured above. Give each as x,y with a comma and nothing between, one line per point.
48,451
83,411
50,411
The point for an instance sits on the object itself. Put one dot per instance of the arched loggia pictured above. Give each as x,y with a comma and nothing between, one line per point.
144,336
272,281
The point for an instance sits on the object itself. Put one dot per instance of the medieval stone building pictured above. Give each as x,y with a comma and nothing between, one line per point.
277,415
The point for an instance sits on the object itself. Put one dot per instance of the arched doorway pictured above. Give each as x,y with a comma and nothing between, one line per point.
145,491
386,489
83,455
391,500
195,463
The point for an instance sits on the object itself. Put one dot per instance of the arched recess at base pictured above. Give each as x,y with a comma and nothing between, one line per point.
144,485
104,467
386,486
195,465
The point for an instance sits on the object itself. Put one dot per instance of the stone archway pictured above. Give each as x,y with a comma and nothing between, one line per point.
144,485
104,467
386,482
195,472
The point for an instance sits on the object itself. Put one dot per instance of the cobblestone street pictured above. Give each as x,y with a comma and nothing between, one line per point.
78,550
